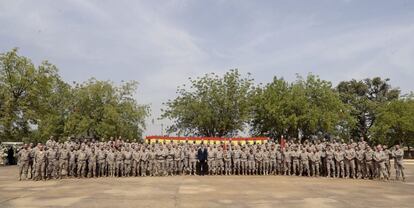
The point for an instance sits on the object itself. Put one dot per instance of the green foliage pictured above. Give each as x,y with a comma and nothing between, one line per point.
395,122
213,106
100,110
35,104
364,97
24,92
308,106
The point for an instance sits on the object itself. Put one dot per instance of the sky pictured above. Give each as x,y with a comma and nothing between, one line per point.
162,43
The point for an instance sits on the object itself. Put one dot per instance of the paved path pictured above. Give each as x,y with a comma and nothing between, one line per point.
207,191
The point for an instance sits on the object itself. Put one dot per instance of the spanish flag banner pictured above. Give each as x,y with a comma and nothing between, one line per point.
206,140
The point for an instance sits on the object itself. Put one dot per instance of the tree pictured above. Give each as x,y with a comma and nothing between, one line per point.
23,90
101,110
365,96
395,122
308,106
35,103
213,106
270,113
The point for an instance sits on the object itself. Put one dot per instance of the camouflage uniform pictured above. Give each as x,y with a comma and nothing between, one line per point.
287,161
398,155
144,162
23,162
63,162
169,161
52,163
119,163
127,162
339,158
227,162
243,161
350,163
360,163
72,162
304,163
40,164
258,162
82,157
211,160
330,164
101,162
92,160
192,159
369,154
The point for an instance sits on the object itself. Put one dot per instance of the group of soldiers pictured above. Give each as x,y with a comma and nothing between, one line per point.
116,158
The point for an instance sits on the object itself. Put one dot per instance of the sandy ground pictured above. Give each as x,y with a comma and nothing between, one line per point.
206,191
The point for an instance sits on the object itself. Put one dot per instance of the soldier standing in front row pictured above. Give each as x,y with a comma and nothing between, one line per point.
63,162
101,162
23,162
144,162
72,162
82,157
192,159
127,162
40,163
111,161
398,155
330,164
92,160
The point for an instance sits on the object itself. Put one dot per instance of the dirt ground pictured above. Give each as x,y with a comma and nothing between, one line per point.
206,191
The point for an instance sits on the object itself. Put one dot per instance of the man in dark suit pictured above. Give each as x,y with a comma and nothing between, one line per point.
202,159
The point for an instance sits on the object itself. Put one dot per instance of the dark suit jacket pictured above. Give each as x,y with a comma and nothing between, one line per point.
202,155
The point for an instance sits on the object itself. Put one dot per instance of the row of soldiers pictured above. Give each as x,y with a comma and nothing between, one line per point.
123,159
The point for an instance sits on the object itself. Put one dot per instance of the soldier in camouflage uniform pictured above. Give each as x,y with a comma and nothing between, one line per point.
52,162
330,163
398,155
111,162
144,161
287,161
152,162
388,155
258,156
40,163
192,159
101,161
350,162
92,160
236,160
369,163
339,158
360,162
227,162
304,163
211,160
177,161
23,162
295,154
82,157
273,162
169,161
380,158
119,163
127,162
250,162
243,161
279,161
63,162
219,164
72,162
